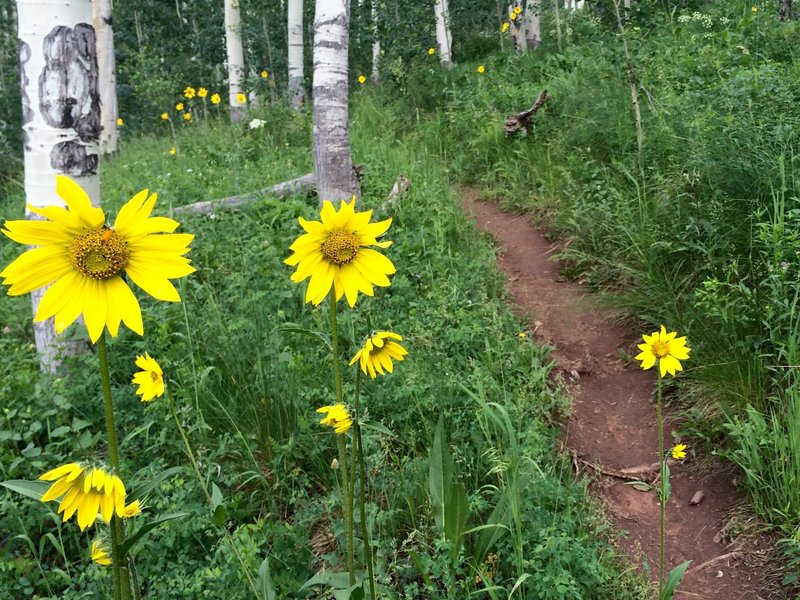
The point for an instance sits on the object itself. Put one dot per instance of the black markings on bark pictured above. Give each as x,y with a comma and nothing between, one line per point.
70,158
68,92
27,113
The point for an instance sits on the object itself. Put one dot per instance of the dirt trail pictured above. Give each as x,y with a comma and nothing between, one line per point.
613,423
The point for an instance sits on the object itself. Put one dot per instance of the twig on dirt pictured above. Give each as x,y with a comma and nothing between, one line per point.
720,535
577,461
735,555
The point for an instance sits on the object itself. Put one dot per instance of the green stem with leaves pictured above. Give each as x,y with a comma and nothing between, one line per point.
362,483
122,586
347,496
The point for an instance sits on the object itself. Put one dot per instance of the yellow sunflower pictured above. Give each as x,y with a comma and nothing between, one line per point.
666,349
83,259
87,490
202,92
336,416
100,554
150,379
378,352
134,509
335,252
215,99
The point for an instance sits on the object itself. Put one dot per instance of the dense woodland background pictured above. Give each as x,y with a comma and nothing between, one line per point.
699,230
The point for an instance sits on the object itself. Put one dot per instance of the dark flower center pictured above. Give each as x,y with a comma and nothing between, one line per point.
340,247
99,253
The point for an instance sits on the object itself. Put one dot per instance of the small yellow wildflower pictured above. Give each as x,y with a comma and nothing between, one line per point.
679,452
517,10
377,353
202,92
264,74
754,9
189,92
151,378
513,16
362,80
215,99
666,349
173,151
505,26
99,554
431,51
179,106
522,335
187,116
241,98
120,122
481,69
134,509
164,116
336,417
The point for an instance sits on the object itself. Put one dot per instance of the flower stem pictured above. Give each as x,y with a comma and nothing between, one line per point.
362,479
663,491
346,489
122,586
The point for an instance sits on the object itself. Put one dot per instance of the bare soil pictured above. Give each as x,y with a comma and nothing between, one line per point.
612,427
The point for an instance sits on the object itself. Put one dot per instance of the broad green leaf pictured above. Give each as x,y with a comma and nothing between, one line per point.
335,580
674,580
264,584
456,514
147,527
376,426
139,492
440,474
520,580
31,489
355,592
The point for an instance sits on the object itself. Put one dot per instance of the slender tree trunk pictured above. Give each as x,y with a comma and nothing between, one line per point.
637,115
233,44
785,10
518,26
557,15
297,92
332,160
443,38
533,23
107,71
60,116
376,43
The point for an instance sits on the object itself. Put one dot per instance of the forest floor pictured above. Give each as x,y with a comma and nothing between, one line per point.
611,431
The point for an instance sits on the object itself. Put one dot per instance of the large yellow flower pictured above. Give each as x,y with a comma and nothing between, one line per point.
336,417
100,554
83,259
150,379
666,349
378,352
87,490
335,252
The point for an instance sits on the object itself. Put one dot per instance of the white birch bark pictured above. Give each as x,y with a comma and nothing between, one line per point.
107,71
533,24
443,38
297,92
60,116
233,45
332,160
518,26
376,43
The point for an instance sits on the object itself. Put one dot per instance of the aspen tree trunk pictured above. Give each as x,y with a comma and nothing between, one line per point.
233,44
517,26
376,43
533,24
107,71
297,92
443,38
60,117
332,160
557,15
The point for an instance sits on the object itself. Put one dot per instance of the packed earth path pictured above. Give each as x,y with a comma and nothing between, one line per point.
611,432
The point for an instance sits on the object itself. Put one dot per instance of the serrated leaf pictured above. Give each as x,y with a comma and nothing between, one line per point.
31,489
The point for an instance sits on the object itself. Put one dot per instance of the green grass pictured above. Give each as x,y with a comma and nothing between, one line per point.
247,367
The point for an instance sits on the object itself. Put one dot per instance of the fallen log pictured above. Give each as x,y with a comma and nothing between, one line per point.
523,121
300,185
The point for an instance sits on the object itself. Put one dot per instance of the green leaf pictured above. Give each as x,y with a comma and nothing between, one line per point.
520,580
31,489
335,580
674,579
667,486
456,515
355,592
138,493
376,426
146,528
264,584
440,474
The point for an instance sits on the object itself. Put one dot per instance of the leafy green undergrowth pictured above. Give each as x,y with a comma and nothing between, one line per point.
247,364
